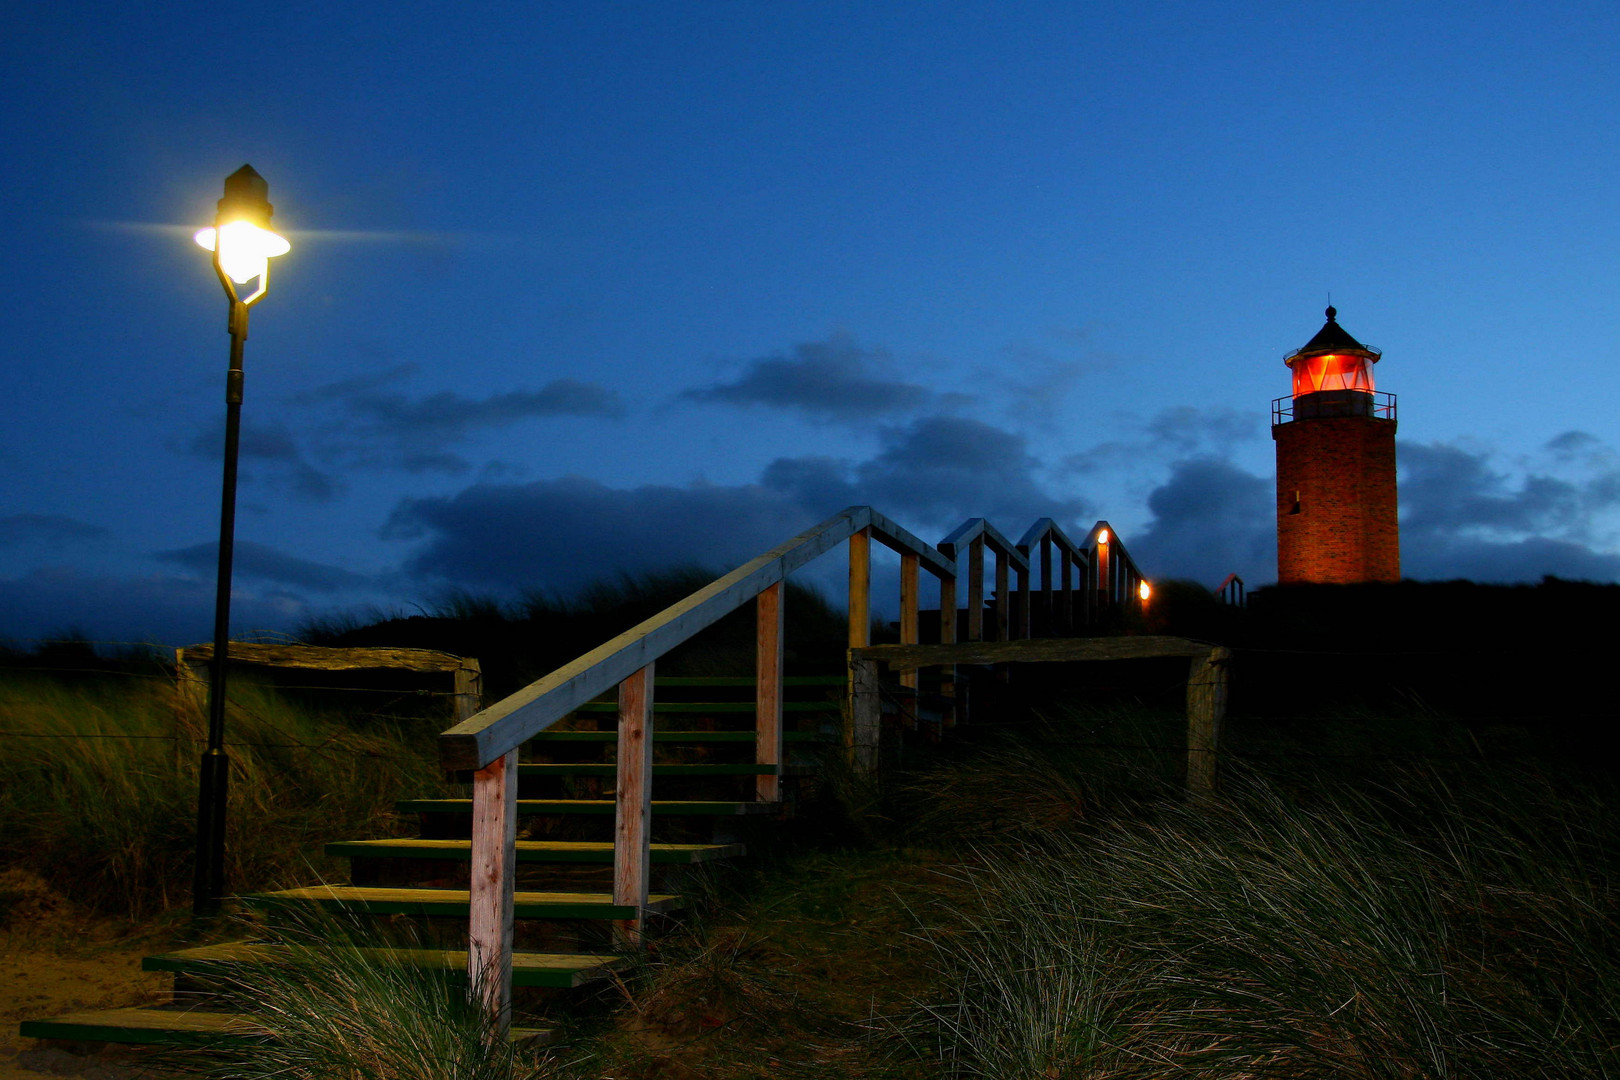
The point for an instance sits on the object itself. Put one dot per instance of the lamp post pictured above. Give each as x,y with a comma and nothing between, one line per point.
243,246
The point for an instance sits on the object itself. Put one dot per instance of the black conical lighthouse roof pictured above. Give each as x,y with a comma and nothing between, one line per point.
1333,338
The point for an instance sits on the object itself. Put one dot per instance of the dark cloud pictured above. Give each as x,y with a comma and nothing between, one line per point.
449,416
372,427
157,609
269,452
1210,519
1178,433
252,560
828,380
947,469
929,476
565,533
1463,518
54,529
1434,557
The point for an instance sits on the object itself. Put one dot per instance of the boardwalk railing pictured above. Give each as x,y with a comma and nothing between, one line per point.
487,743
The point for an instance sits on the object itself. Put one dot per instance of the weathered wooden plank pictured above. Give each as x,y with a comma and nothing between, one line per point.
1208,682
1003,600
1031,650
768,631
860,588
632,818
975,590
866,715
947,636
469,689
494,869
909,629
510,721
902,542
320,658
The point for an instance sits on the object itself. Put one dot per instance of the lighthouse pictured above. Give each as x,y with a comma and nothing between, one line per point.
1335,435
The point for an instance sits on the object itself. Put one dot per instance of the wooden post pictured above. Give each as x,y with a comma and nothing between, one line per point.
632,796
768,691
866,717
860,589
469,689
860,612
909,584
494,865
975,597
1105,596
947,636
1067,571
1003,598
1048,614
1207,685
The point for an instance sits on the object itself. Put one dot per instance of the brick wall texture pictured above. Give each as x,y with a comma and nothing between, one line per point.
1343,529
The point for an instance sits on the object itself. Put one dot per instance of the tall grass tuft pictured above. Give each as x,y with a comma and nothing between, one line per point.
1417,928
98,786
331,1009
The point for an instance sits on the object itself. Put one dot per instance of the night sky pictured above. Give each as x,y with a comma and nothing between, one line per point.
580,288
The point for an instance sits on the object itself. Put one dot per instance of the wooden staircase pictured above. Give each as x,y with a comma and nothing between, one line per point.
424,878
721,761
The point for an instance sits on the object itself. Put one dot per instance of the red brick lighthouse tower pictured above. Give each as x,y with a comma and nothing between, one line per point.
1335,440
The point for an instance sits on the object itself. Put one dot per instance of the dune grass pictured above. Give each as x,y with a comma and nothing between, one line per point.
99,785
1425,926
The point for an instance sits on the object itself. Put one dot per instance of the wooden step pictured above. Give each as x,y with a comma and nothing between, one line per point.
525,905
678,736
592,806
747,680
536,851
176,1027
598,768
702,707
554,970
152,1026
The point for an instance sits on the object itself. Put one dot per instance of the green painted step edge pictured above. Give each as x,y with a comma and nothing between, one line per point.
747,680
165,1027
454,902
557,971
677,736
714,706
599,768
542,851
591,806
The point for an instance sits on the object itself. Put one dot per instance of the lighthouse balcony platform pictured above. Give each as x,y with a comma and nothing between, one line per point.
1372,404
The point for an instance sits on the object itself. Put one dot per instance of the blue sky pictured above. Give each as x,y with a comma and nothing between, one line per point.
581,288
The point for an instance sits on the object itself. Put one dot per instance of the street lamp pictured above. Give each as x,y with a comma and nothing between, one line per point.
243,246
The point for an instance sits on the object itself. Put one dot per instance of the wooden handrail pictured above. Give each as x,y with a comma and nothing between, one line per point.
487,742
978,534
507,724
1046,533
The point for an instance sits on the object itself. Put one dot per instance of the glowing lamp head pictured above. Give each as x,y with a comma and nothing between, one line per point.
241,232
1102,536
1143,591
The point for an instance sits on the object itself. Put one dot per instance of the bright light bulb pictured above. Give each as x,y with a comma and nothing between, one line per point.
1144,590
246,251
1102,537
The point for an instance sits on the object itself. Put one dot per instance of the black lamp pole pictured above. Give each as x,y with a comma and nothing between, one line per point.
246,199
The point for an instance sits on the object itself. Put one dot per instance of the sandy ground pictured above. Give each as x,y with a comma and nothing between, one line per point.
55,960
